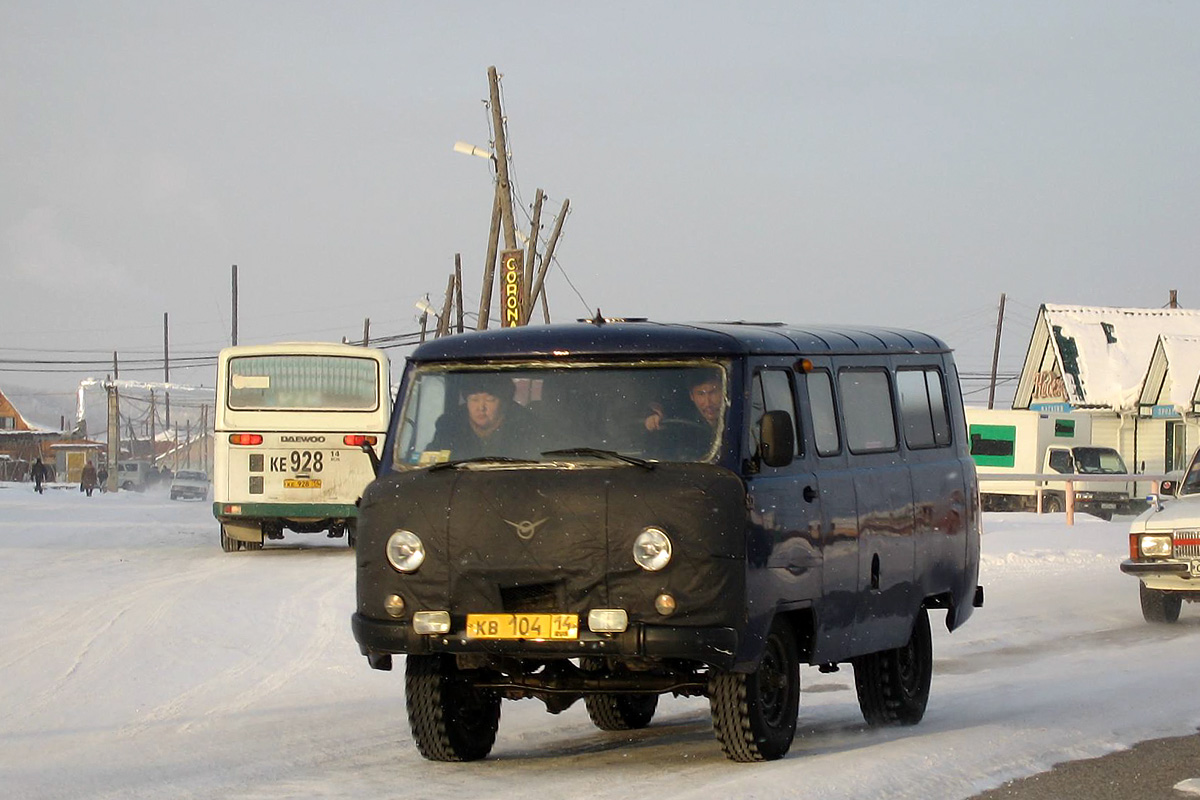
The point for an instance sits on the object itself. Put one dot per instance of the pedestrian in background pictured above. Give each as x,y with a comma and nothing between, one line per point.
38,473
87,481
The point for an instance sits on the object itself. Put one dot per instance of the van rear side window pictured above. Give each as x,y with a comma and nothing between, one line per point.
923,408
867,407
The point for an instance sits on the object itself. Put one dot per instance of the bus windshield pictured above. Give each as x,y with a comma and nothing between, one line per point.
303,382
663,412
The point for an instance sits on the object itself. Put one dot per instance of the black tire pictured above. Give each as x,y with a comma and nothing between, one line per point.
351,535
893,686
1159,606
127,486
617,712
450,719
227,544
1052,504
251,545
754,714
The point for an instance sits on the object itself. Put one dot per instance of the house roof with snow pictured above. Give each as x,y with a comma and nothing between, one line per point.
1097,356
10,417
1172,384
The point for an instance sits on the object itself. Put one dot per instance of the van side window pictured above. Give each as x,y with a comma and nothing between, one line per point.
772,391
824,415
923,408
867,407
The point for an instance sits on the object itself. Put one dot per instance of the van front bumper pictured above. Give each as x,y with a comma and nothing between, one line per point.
715,646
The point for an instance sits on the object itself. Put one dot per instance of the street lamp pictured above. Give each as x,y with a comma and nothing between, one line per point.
472,150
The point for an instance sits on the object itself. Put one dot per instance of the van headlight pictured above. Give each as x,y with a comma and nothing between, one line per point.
652,549
405,551
1155,546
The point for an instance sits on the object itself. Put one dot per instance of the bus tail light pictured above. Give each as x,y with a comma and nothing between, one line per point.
245,438
358,440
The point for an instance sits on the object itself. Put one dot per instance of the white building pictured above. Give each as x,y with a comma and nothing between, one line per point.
1134,371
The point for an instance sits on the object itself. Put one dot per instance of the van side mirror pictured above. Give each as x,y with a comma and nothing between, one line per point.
370,451
777,440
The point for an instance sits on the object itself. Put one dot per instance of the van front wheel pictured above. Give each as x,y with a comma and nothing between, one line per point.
451,720
754,714
893,686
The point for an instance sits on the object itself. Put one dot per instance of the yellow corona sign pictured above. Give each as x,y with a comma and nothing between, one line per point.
512,266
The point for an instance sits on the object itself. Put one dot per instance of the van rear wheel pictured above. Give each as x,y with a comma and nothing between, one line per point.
617,712
451,720
1052,504
754,714
1159,606
893,686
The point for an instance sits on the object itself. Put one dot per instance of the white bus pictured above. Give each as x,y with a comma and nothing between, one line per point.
291,421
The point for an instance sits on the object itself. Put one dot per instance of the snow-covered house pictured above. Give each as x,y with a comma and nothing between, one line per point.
1106,362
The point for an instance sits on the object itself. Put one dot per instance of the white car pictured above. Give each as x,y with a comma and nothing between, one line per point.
189,484
1164,550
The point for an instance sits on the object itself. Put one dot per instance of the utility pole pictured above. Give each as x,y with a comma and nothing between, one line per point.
1174,299
424,324
166,370
153,447
366,331
233,340
114,428
443,326
502,185
188,455
489,266
535,228
204,438
996,351
458,289
546,259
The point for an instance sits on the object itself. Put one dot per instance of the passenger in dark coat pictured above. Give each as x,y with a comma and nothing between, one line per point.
488,423
87,480
38,473
102,478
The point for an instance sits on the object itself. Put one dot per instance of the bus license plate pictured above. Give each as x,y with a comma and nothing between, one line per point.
522,626
302,483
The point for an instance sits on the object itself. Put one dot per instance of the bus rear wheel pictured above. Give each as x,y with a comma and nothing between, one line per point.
229,545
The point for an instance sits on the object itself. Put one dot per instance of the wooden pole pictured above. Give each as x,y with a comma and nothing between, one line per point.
489,266
501,146
233,339
443,326
996,351
366,331
530,256
458,289
546,259
166,372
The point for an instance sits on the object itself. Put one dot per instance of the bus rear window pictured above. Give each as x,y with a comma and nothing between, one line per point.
303,382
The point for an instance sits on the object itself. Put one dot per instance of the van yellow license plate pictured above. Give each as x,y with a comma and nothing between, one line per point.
302,483
522,626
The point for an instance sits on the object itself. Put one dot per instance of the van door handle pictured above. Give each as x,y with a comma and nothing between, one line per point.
809,494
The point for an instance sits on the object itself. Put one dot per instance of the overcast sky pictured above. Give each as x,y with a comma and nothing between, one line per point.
895,164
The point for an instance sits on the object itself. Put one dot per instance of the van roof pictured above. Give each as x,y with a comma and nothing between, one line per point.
657,338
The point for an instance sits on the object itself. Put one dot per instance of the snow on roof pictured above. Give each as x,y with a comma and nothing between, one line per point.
1108,349
1183,360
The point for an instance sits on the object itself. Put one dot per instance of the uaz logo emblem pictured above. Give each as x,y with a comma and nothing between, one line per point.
525,529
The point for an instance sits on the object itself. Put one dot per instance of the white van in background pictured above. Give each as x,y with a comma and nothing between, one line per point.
133,475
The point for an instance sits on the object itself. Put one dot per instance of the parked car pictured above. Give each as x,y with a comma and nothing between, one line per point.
1164,550
189,484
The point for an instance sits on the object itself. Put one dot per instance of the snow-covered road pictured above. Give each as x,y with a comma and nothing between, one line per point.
138,660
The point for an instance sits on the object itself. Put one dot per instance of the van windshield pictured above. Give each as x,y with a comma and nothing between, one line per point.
551,413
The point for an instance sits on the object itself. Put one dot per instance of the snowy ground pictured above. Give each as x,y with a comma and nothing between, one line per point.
138,660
